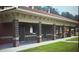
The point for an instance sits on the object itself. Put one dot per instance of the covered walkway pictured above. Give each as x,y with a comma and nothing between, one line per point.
27,46
22,25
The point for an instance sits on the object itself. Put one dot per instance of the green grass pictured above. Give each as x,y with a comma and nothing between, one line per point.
55,47
73,39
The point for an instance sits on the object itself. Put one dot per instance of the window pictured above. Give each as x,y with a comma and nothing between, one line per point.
31,29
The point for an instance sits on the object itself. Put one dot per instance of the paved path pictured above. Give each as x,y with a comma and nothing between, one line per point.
72,41
14,49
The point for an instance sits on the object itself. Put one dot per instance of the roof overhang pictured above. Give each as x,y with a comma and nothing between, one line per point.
60,18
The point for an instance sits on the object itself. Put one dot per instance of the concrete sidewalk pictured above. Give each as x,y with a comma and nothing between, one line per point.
15,49
71,41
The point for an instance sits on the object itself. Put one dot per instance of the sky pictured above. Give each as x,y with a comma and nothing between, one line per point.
72,9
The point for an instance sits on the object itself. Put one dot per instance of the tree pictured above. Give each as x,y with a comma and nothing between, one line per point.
46,8
2,7
38,7
67,14
52,10
76,17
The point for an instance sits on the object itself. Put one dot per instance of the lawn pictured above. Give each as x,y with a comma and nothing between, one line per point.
55,47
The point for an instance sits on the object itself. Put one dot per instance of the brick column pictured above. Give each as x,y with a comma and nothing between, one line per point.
59,31
69,34
39,32
15,33
54,31
74,31
63,31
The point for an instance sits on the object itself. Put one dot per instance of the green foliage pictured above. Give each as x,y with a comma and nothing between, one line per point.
55,11
68,15
2,7
38,7
46,8
76,17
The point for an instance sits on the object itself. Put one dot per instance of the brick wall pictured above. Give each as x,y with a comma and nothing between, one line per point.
5,30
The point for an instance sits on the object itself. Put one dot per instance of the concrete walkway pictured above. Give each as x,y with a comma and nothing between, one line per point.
15,49
72,41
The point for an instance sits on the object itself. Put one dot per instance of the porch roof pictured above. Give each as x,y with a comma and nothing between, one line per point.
39,12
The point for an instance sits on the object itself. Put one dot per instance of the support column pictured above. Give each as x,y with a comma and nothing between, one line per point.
54,31
74,31
63,31
59,32
15,33
69,34
39,32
